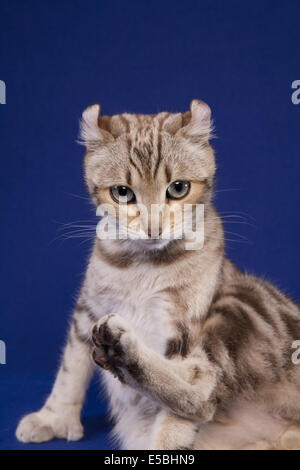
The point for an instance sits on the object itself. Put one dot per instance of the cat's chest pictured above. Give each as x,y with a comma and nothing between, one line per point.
150,317
141,301
148,313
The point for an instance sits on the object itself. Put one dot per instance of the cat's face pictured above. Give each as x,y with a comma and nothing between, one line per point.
149,171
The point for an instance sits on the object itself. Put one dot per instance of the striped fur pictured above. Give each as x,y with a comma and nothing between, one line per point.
197,355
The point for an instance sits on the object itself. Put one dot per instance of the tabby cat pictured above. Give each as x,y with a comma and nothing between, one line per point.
197,354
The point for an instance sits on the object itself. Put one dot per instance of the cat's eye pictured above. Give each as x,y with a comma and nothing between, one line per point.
122,194
178,189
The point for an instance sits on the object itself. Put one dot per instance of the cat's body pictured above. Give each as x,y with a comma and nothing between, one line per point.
196,353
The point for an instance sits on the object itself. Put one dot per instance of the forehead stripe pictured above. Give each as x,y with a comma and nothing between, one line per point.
136,167
159,145
168,173
128,177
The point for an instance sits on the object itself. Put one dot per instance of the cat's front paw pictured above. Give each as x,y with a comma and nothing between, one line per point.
116,346
46,424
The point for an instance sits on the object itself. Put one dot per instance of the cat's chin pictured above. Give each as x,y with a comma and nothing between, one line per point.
150,244
137,245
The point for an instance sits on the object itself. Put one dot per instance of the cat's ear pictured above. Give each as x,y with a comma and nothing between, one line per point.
200,123
91,134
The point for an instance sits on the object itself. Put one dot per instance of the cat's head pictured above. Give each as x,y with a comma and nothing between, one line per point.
147,168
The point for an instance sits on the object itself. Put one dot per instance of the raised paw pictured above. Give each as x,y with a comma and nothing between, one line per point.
115,344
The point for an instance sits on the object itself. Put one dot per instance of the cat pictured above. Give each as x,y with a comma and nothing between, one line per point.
196,354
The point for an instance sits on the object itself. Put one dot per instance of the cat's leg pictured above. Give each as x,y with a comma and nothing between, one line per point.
288,440
172,432
184,388
60,415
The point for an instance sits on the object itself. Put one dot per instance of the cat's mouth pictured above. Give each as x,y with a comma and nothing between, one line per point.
152,243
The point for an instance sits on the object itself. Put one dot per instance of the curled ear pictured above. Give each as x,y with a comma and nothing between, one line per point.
91,134
200,124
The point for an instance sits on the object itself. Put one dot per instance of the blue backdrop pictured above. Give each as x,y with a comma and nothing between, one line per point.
57,57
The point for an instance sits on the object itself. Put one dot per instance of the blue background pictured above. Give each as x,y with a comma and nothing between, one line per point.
57,57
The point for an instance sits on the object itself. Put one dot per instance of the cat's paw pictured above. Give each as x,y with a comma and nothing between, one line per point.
116,346
46,424
290,439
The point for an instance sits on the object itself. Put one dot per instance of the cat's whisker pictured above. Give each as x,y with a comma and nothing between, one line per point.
234,220
80,227
77,235
75,225
225,217
242,237
237,213
78,196
227,222
246,241
226,190
79,232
